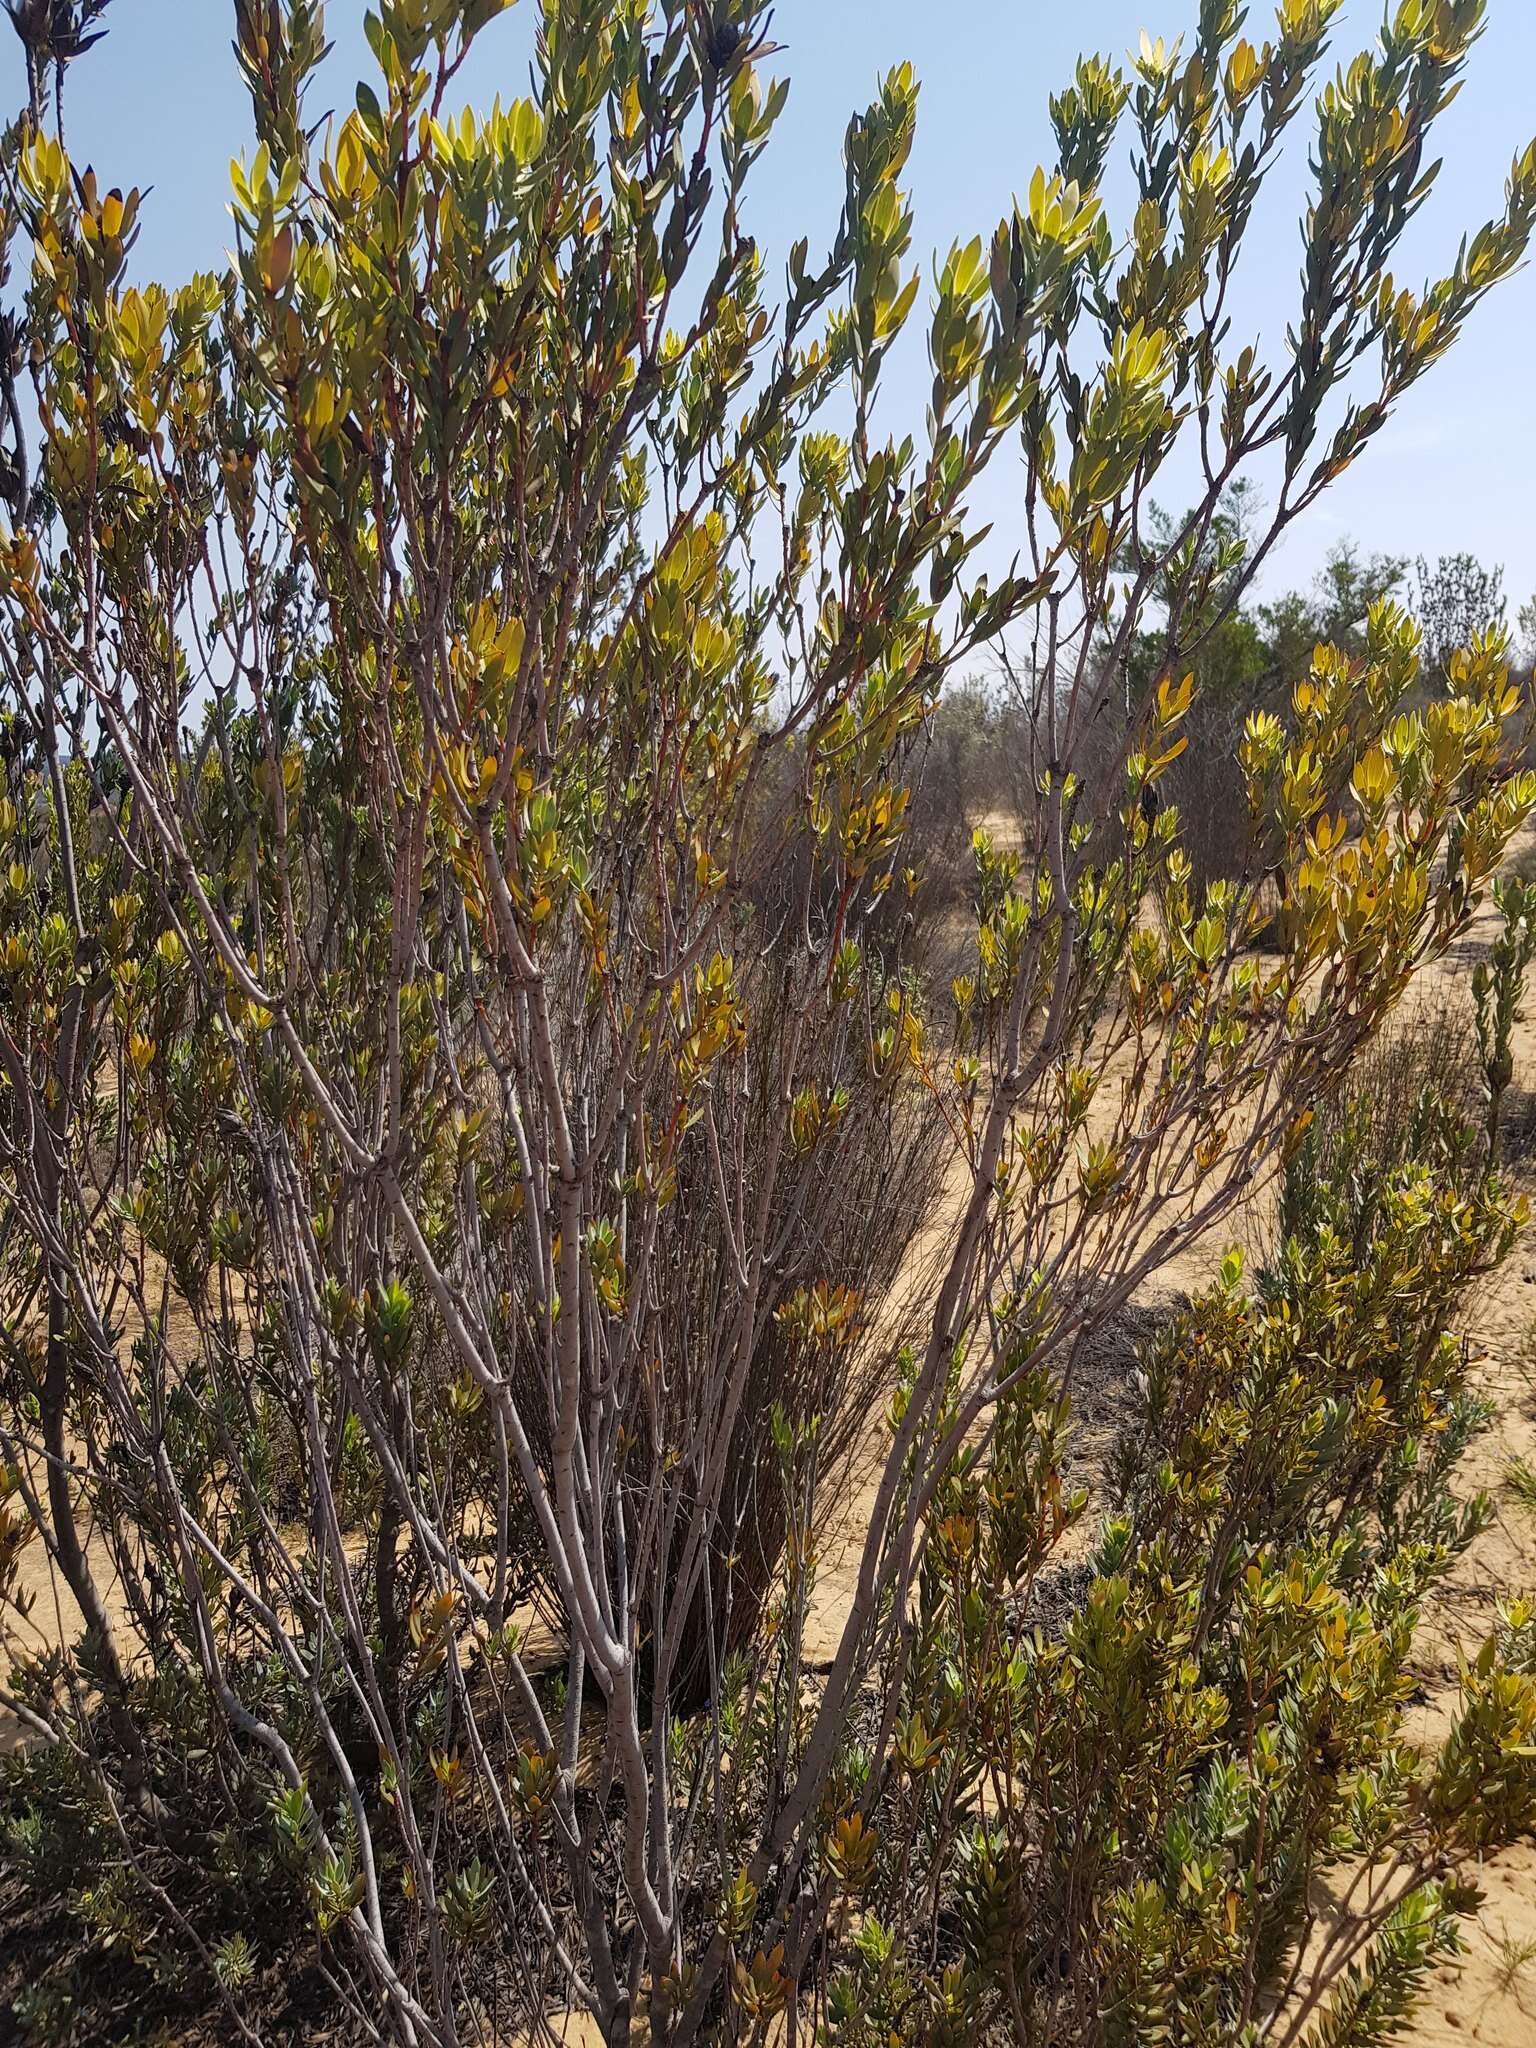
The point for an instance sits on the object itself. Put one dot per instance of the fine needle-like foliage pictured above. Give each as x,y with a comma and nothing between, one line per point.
454,1187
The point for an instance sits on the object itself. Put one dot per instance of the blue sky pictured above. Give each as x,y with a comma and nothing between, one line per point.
160,104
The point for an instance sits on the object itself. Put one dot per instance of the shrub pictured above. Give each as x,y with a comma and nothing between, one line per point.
1121,1819
424,644
1408,1096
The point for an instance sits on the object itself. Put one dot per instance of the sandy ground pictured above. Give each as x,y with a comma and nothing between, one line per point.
1489,1995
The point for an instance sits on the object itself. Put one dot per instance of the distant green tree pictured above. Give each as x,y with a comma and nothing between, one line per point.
1456,599
1249,651
1335,609
1245,656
